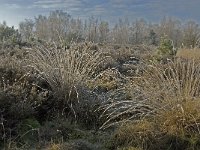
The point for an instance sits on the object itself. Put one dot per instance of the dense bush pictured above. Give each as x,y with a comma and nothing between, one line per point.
166,49
9,37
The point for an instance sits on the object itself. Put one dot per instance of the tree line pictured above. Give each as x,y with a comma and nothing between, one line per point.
59,26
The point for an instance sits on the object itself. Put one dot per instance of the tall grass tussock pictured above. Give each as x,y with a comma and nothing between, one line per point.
66,71
172,94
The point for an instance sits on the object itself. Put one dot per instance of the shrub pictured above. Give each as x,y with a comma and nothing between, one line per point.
19,99
165,49
28,131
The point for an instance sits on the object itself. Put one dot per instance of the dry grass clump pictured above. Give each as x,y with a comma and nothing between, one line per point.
189,54
55,146
122,53
161,87
7,62
139,135
179,125
123,105
171,93
183,120
165,86
65,70
177,128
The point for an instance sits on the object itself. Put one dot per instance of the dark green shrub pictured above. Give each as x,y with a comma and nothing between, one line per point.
165,49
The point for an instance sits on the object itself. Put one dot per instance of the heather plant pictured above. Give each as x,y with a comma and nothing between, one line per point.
19,100
20,97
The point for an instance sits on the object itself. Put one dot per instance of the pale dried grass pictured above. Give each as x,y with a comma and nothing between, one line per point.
65,69
193,53
160,88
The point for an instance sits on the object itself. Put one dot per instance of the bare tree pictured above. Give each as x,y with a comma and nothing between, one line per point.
191,34
75,30
26,29
139,31
59,26
172,29
120,32
41,27
103,31
92,30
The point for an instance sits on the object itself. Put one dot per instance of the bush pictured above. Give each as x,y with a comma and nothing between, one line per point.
9,37
165,49
19,99
28,131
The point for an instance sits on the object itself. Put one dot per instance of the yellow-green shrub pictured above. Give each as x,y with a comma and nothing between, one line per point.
165,49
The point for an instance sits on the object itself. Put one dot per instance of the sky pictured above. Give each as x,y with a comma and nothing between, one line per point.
14,11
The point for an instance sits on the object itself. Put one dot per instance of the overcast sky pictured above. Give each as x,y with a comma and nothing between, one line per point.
14,11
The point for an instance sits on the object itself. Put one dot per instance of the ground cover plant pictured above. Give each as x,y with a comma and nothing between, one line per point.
59,95
93,87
